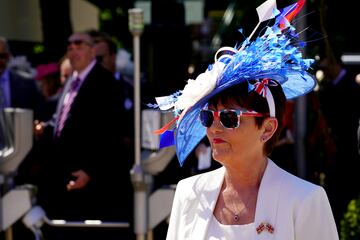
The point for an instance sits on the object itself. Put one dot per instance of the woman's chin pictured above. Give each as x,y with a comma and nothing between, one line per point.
220,154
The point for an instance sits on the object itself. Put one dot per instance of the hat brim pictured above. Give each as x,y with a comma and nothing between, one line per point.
190,132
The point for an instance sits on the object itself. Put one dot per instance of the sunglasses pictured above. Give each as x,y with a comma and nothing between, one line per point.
229,118
78,42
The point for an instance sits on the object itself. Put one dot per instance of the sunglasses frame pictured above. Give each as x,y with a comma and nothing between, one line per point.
78,42
239,113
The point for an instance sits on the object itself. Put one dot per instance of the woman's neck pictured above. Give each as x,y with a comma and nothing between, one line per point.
245,174
236,203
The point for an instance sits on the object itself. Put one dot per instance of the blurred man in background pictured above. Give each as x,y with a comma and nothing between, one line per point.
106,52
88,167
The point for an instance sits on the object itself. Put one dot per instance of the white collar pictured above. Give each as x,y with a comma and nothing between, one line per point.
83,74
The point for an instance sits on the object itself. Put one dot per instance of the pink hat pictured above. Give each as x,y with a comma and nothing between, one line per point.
45,69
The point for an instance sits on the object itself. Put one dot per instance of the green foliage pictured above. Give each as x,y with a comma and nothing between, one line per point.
106,15
350,224
120,11
38,48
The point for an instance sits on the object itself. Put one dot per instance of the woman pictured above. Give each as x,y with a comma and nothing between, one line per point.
48,76
250,197
239,103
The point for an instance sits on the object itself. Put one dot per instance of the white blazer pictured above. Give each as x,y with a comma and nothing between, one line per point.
295,208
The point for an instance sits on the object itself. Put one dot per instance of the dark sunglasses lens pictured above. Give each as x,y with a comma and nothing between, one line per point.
76,42
229,119
206,118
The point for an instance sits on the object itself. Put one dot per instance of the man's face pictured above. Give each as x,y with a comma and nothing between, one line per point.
80,51
4,57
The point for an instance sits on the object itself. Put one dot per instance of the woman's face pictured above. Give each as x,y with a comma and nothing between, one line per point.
236,143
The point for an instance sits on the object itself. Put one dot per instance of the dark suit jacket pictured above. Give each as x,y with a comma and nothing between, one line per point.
91,140
25,93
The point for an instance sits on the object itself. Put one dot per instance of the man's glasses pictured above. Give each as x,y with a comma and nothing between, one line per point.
78,42
229,118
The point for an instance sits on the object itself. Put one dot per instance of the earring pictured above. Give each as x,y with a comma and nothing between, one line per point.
263,138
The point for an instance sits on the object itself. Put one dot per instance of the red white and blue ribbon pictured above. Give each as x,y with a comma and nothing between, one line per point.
262,88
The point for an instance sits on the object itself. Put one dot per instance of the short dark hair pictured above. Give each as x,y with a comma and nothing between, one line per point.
240,95
97,36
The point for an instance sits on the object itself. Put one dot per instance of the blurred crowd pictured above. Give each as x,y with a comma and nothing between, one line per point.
83,133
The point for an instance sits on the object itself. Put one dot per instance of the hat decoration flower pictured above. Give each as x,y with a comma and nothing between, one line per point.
275,55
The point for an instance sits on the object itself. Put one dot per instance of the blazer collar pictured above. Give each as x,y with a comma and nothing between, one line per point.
267,200
208,195
266,206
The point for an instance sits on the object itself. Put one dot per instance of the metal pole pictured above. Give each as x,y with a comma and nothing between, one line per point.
86,224
136,25
136,42
300,133
300,116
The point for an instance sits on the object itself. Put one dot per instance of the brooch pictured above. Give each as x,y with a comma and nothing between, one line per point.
265,226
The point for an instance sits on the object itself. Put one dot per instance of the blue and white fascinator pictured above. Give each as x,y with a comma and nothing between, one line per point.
274,55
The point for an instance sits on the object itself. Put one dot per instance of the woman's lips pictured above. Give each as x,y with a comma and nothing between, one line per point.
218,140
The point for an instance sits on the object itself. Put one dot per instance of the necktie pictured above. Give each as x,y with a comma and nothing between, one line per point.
68,100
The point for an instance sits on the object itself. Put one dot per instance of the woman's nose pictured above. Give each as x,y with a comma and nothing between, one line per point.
216,126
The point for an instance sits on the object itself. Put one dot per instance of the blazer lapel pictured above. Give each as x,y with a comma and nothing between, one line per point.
208,193
266,207
267,201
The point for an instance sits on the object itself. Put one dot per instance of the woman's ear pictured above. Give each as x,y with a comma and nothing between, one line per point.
269,127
